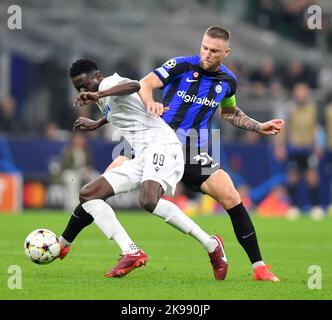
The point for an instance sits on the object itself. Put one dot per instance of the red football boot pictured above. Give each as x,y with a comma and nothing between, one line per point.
263,273
218,260
63,251
127,263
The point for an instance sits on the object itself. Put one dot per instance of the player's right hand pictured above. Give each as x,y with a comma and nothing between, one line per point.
85,124
156,108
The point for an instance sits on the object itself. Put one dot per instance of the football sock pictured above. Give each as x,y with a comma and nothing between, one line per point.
208,242
108,223
172,214
64,242
78,221
257,264
245,232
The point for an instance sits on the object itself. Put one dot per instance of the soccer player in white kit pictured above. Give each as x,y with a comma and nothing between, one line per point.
157,167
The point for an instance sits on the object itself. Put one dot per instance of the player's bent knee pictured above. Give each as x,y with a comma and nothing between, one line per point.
86,194
151,192
230,200
148,203
97,189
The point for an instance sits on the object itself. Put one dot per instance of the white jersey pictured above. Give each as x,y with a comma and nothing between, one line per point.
129,115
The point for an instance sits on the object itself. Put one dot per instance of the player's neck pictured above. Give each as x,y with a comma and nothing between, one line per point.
209,72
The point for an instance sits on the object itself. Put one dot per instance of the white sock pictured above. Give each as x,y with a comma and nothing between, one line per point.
172,214
208,242
257,264
107,222
64,242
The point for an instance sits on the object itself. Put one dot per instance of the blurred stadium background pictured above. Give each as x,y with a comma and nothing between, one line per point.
284,69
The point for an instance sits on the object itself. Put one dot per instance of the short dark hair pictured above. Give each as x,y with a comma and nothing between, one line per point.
218,32
82,66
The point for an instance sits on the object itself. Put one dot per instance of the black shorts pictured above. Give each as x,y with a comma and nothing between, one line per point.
197,169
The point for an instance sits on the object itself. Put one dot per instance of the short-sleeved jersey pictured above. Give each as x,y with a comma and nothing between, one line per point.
193,95
129,115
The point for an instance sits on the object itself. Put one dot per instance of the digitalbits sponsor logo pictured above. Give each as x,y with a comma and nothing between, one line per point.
194,99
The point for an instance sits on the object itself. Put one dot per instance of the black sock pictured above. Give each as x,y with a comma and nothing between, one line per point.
78,221
245,232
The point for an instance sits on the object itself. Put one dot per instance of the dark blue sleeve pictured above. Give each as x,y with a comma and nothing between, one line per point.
232,85
170,69
230,79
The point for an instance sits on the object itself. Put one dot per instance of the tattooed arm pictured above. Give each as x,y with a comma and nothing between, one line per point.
239,119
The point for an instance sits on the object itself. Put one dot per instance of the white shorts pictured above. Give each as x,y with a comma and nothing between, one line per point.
163,164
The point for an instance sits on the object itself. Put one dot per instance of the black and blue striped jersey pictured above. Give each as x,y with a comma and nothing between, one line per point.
193,95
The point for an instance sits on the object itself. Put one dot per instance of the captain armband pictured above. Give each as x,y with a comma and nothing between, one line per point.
228,103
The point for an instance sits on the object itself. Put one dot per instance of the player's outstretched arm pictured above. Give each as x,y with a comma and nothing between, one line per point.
239,119
86,124
123,88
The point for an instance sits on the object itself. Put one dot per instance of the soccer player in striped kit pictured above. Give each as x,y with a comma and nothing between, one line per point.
195,87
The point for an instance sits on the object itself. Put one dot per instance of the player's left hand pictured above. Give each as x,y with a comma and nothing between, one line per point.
85,124
85,98
271,127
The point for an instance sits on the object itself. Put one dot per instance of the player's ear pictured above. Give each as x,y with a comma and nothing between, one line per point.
227,52
99,76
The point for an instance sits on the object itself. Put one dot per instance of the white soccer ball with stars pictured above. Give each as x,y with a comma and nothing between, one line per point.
42,246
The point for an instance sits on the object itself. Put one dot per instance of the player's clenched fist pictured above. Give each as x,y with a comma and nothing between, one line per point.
85,98
272,127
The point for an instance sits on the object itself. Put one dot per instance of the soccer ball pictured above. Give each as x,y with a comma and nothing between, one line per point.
42,246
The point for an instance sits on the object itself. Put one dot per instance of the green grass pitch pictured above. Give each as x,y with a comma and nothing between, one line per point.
178,267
